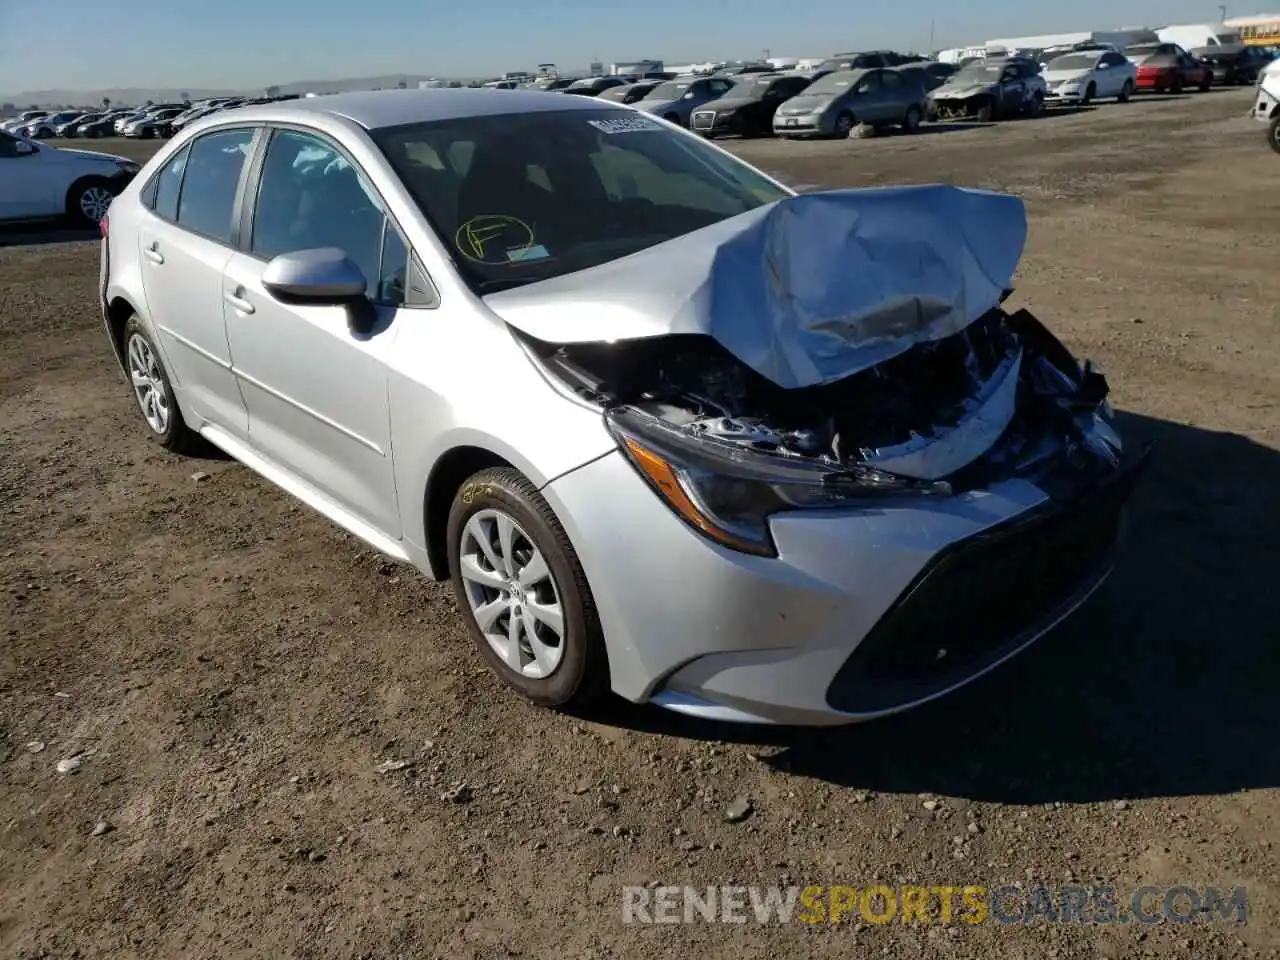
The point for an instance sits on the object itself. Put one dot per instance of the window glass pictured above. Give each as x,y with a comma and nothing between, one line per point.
868,84
892,81
209,182
546,194
168,182
311,197
394,267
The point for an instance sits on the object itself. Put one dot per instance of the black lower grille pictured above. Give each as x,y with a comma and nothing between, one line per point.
982,598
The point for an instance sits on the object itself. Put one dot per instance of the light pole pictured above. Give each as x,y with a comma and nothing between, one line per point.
1222,9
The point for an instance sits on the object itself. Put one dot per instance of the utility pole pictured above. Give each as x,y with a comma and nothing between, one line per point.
1222,8
932,24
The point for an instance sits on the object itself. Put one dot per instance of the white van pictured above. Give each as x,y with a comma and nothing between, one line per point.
1197,36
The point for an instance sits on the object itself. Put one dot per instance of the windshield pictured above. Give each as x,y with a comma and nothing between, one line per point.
1074,61
671,90
520,198
832,83
980,70
753,89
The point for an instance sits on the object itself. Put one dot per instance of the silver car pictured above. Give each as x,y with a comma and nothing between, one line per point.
675,100
671,429
832,105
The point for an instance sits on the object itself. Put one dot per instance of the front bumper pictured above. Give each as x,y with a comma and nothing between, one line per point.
710,123
847,622
1264,107
808,125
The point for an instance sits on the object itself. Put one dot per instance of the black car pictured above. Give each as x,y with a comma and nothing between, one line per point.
104,126
629,92
932,74
593,86
1237,66
864,60
747,110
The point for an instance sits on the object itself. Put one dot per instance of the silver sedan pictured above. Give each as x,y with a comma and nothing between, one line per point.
671,429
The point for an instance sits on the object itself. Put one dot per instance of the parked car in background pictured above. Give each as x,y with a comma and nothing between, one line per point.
834,529
104,126
833,105
21,120
594,86
1167,68
38,180
1233,67
629,92
152,125
994,88
675,100
747,110
71,127
45,127
1082,77
861,60
930,73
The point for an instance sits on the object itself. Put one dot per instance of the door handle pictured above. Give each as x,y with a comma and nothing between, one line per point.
238,301
153,253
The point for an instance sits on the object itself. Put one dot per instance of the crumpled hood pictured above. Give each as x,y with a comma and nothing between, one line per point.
806,290
962,91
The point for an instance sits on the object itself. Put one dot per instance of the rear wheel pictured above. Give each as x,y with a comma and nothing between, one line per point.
844,123
1176,87
153,391
1273,133
522,591
1206,83
911,122
1125,92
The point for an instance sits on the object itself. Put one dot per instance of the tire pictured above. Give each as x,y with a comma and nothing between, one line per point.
844,123
142,358
1126,92
1273,133
911,122
1090,92
986,112
88,199
1206,83
1176,87
1036,107
572,671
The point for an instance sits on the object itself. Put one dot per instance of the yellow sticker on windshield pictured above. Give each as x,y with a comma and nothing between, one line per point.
494,239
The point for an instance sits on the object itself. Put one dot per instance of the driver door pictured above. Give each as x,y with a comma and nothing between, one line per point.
27,181
1012,90
316,392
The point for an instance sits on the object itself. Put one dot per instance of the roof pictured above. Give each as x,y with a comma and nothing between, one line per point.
373,109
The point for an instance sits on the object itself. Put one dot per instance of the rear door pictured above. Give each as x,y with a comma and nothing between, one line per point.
184,244
316,393
868,100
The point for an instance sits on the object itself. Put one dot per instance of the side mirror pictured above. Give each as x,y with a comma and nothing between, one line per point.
322,277
687,96
24,149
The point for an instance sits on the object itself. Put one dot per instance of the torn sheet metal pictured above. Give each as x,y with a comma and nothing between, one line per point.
804,291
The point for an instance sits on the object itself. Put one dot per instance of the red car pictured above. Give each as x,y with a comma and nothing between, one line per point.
1167,68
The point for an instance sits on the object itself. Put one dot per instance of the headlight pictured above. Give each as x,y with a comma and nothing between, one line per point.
727,492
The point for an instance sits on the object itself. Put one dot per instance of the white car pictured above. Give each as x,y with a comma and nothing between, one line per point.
1267,106
38,181
1085,76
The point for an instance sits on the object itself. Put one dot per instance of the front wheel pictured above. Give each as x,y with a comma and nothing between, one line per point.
1090,92
1036,107
1273,133
153,391
1176,87
1206,83
986,112
88,200
844,123
523,592
1126,92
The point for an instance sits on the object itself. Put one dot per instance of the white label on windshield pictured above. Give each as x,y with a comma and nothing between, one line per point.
625,125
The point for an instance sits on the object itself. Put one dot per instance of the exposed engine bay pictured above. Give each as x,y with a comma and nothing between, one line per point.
1000,398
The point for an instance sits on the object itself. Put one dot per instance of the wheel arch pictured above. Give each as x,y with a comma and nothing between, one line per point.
119,310
447,475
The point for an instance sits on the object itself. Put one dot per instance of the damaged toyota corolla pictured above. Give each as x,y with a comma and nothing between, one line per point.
670,428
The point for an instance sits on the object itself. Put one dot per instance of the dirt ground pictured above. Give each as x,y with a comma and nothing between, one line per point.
230,670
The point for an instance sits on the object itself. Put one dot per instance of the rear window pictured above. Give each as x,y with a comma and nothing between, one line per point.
525,197
1074,61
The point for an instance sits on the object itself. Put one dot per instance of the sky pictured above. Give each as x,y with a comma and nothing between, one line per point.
247,44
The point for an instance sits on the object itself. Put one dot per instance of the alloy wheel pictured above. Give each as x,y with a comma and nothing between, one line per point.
512,594
148,384
94,202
